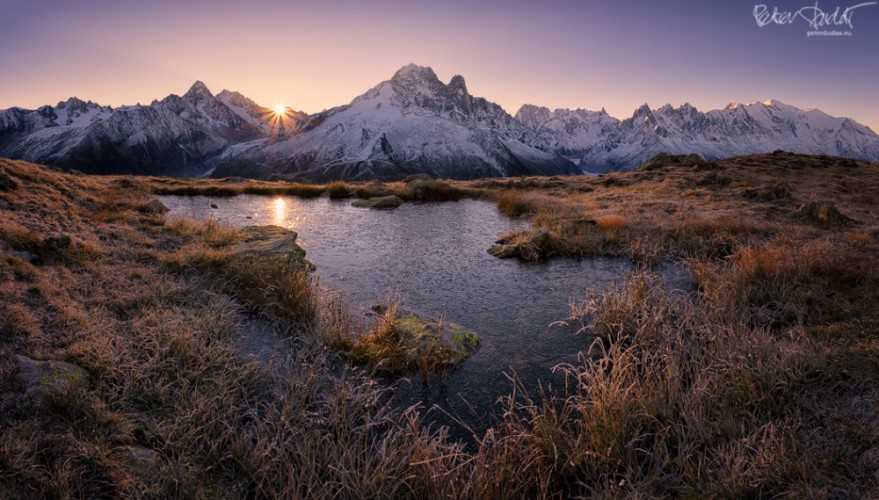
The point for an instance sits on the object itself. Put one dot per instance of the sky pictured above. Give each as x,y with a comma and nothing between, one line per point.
315,55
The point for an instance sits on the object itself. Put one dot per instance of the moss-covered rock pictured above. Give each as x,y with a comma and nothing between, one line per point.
43,379
404,341
455,342
379,202
269,240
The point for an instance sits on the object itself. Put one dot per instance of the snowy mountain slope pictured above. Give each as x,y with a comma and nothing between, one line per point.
265,119
738,129
178,135
570,132
410,123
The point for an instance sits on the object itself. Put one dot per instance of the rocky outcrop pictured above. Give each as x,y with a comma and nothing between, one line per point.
269,241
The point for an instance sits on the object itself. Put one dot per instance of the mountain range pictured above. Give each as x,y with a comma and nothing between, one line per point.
411,123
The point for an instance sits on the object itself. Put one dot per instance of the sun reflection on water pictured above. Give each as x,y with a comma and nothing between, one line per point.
279,211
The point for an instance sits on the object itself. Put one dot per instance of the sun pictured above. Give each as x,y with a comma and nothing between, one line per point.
279,109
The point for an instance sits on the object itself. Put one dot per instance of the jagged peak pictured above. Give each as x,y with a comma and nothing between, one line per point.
534,115
74,102
198,90
229,93
234,96
414,71
457,82
644,109
532,108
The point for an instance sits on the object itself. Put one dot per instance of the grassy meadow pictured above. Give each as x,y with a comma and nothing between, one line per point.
762,381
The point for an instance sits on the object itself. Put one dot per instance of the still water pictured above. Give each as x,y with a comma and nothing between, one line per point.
433,255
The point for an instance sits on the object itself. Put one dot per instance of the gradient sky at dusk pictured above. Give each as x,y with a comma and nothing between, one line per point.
314,55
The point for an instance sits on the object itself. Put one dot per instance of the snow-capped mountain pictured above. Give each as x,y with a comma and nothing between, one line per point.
759,127
266,119
570,132
179,135
410,123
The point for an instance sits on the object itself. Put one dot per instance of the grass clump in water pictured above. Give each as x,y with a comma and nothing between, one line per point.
403,341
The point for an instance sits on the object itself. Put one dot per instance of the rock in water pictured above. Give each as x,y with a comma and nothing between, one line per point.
391,201
269,240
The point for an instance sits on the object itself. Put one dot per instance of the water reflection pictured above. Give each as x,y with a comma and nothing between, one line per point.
279,209
434,256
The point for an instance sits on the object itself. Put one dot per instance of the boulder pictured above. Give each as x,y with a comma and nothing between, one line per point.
42,379
381,202
154,206
269,240
456,343
415,343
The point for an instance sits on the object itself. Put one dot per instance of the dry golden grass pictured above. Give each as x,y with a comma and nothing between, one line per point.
612,222
338,190
759,383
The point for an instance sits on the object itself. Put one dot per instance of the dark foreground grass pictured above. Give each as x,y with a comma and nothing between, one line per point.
760,382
